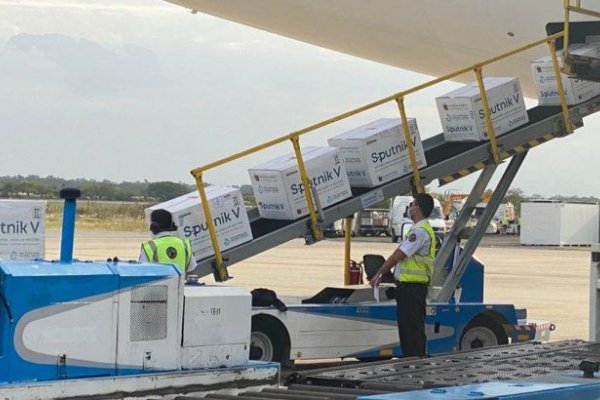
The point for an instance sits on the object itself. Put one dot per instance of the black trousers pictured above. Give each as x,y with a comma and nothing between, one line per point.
411,300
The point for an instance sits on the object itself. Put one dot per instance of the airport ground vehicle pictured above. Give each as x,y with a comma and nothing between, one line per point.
368,222
347,321
399,221
75,328
371,222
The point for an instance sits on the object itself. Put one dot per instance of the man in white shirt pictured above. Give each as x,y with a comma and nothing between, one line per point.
414,260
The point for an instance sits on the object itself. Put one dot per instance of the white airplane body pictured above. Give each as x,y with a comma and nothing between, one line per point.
433,37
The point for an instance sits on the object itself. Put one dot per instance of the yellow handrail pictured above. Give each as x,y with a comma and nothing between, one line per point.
409,145
585,11
398,97
559,87
568,8
307,192
488,116
566,31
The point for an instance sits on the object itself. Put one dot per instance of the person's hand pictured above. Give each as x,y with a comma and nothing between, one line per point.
375,280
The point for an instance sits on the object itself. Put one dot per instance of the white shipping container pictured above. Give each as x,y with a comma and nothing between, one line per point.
376,153
461,110
576,90
228,212
278,188
22,229
559,223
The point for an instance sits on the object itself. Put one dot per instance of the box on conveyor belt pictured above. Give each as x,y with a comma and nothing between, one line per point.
228,213
461,111
376,153
278,188
576,90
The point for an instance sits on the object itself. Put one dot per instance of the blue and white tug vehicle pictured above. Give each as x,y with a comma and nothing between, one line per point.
76,328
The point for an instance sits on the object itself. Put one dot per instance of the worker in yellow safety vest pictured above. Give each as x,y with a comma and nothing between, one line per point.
414,261
505,222
165,247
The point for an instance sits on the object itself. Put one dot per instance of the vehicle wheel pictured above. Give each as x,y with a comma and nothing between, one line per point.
267,343
261,347
482,332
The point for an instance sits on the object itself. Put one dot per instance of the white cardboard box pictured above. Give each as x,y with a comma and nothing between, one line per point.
279,191
576,90
22,229
462,116
228,213
376,153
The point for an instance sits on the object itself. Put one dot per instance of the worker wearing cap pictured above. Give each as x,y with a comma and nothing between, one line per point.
165,247
414,261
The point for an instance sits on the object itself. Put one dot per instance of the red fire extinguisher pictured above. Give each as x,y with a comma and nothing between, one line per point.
356,273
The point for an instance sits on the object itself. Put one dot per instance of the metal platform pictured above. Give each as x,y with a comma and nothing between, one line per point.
543,366
503,363
445,162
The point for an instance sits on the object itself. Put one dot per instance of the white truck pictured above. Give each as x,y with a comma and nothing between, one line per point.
399,223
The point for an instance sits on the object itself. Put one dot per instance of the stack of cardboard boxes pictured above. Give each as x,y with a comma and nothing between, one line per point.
367,156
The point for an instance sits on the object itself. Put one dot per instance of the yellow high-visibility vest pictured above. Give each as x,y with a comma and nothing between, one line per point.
169,250
419,268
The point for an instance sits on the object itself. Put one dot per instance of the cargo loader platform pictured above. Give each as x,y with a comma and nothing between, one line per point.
446,161
524,371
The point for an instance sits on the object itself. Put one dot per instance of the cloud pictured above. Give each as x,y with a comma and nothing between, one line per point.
82,66
89,5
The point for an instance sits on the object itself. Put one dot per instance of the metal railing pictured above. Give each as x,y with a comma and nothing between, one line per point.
294,137
568,8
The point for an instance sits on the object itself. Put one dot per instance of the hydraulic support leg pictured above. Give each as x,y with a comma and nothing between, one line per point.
479,230
452,237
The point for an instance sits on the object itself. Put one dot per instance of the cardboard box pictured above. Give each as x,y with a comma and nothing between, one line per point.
462,116
228,213
22,229
279,191
376,153
576,90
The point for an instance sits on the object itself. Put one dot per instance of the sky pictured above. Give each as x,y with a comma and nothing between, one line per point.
135,90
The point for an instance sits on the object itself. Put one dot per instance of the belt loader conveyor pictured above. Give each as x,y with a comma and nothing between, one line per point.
548,371
446,162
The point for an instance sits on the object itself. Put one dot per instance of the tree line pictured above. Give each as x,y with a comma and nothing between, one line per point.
36,187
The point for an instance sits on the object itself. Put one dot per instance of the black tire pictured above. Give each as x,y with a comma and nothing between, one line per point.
482,332
267,342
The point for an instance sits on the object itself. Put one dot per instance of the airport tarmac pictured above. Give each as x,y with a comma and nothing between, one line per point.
551,282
